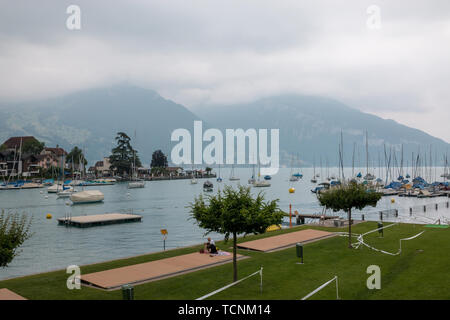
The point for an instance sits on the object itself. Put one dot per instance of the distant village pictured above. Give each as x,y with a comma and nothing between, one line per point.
27,158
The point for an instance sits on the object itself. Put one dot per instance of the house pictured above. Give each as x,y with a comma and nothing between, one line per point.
103,167
10,164
175,171
52,157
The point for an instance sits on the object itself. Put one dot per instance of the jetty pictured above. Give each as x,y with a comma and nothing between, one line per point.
98,220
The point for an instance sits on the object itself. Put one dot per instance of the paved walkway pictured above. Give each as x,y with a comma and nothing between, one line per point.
285,240
144,272
6,294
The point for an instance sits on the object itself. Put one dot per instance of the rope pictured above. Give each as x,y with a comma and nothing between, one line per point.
323,286
361,241
231,284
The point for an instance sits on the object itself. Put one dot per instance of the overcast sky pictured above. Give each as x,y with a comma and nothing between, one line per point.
206,52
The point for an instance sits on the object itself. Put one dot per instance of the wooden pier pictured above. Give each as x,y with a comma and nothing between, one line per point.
99,220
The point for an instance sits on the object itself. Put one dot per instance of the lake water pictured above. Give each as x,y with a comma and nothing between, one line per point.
163,206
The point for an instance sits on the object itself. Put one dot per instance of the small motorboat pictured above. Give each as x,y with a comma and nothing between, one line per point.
136,184
208,186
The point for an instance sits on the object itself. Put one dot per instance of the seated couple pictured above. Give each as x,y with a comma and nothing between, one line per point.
209,247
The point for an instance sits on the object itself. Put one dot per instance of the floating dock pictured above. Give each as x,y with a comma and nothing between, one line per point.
99,220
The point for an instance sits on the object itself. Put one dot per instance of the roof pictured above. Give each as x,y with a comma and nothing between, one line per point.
15,142
99,164
173,168
58,151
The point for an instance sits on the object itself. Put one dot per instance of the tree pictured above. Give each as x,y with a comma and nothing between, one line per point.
33,146
233,212
208,170
76,157
159,160
123,156
14,230
348,196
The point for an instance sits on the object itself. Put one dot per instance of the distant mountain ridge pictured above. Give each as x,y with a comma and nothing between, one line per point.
309,126
91,119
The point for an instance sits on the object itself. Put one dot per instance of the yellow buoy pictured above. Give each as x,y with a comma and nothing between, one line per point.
291,190
392,200
48,216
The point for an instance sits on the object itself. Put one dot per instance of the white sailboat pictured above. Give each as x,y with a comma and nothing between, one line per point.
87,196
193,180
136,183
232,176
260,183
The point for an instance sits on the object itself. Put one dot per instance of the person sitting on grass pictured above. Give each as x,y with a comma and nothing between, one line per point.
210,247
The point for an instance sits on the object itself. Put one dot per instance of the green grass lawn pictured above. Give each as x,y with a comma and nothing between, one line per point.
421,271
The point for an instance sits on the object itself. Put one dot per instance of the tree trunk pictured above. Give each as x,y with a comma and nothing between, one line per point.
349,228
234,257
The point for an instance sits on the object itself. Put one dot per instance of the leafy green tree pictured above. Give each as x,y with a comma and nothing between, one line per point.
208,170
159,170
33,147
76,156
346,197
123,155
159,160
233,212
14,230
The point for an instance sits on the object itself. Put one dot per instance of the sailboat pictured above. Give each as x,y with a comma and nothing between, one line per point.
219,178
368,175
66,191
314,180
193,180
136,183
252,180
86,196
292,177
260,183
232,176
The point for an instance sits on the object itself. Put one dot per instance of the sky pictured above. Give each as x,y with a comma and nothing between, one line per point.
389,58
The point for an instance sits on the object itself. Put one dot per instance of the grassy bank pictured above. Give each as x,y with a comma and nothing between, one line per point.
420,272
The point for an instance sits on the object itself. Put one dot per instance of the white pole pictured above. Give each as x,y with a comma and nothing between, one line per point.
337,289
261,274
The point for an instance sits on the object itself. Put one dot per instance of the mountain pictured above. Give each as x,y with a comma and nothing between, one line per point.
310,127
91,119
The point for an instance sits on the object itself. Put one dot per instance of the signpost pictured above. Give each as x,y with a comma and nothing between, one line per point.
164,233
